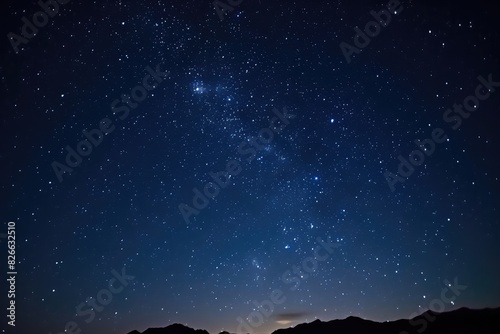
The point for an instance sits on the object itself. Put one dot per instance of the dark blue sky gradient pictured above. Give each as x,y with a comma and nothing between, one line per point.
322,176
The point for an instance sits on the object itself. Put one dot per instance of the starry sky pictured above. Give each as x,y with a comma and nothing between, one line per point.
215,86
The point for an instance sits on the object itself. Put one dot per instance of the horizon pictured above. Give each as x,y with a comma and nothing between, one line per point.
311,321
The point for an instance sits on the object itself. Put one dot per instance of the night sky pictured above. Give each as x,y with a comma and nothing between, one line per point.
286,129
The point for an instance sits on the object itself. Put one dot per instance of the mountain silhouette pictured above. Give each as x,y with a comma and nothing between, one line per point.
460,321
172,329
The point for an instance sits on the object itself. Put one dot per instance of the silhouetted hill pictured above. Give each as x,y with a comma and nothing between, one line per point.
173,329
460,321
